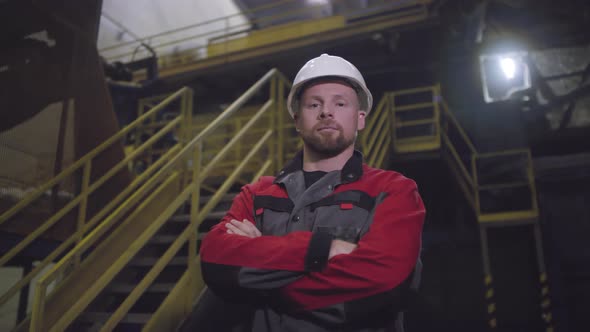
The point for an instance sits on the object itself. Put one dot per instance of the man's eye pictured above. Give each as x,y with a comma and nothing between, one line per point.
340,104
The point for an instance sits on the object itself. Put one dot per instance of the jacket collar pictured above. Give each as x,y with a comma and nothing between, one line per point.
352,170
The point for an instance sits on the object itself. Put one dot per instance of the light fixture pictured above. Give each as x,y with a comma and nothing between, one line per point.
508,66
503,74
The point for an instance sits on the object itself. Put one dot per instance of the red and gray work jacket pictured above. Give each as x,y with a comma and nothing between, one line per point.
285,275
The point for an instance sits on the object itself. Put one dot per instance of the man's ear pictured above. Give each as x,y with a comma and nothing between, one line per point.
361,121
295,118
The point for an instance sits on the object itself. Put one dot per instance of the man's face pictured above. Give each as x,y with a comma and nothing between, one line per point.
329,117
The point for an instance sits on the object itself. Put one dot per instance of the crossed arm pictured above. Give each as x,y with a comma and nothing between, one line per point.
248,229
383,258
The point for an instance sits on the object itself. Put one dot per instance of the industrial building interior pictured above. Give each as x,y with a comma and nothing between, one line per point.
127,127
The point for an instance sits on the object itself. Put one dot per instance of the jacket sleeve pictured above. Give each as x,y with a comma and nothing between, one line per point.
250,266
384,259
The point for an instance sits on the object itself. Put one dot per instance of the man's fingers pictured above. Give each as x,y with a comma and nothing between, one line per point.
254,231
339,247
235,230
252,227
244,228
257,232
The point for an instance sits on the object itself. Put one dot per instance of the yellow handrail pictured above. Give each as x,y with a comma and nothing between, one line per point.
467,170
88,187
464,164
219,19
188,231
212,143
229,29
465,173
454,121
89,156
192,148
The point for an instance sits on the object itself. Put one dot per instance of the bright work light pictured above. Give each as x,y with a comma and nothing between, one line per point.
508,67
503,74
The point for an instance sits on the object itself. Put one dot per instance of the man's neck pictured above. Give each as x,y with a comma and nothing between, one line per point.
315,162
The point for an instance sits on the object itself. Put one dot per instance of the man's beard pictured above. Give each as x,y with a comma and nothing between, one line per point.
327,146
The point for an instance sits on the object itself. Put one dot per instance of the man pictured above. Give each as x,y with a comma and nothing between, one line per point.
330,244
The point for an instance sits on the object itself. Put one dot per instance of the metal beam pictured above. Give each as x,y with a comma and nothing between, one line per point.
359,29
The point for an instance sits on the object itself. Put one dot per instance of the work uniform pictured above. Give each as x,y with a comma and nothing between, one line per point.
285,276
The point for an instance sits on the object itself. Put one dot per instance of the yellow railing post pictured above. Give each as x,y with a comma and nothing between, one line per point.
137,138
150,131
531,179
275,146
189,115
185,132
82,208
195,204
435,96
38,309
238,153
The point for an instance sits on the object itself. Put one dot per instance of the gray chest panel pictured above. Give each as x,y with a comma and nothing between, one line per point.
346,215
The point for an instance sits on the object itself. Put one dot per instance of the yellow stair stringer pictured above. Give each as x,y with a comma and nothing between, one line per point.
83,210
180,301
80,278
466,175
423,123
416,121
79,288
177,306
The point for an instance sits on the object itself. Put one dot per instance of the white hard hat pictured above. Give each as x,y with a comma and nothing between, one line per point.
329,66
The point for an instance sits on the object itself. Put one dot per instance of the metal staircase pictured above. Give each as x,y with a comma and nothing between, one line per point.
98,313
133,264
499,186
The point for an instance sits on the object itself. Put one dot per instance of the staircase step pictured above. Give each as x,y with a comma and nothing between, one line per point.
186,217
101,317
127,288
150,261
163,239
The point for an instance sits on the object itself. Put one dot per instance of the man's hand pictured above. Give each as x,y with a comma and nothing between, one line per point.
243,228
340,247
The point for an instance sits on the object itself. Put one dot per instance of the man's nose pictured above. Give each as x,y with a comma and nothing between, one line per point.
326,111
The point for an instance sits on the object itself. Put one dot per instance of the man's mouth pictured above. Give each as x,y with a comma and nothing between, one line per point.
328,127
